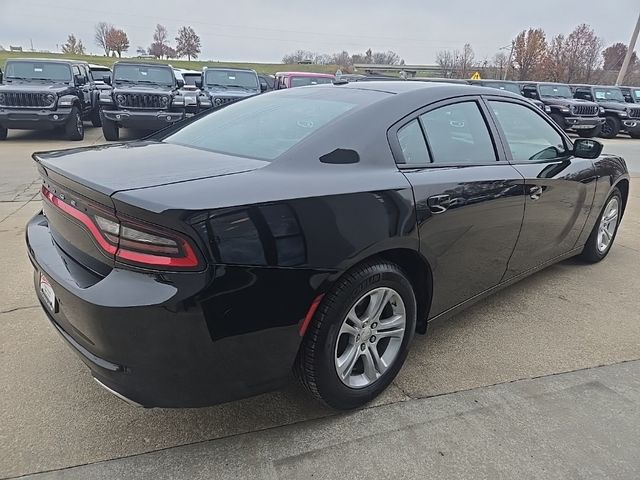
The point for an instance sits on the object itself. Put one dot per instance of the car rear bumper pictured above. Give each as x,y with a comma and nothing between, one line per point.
150,120
28,119
163,341
583,122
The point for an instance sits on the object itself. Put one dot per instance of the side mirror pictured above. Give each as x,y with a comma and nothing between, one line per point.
180,83
198,83
78,79
106,79
587,148
263,86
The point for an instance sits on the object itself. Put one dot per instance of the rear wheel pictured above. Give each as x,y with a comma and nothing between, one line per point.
589,132
110,130
611,128
359,336
605,230
3,133
74,128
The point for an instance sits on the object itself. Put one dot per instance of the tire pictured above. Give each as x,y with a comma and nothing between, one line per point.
559,119
110,130
593,250
611,128
3,133
589,132
325,342
634,134
96,121
74,128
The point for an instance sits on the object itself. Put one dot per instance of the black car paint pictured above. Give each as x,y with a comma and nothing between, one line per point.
80,94
274,236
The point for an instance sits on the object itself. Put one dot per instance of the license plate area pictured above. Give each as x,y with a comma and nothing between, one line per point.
47,294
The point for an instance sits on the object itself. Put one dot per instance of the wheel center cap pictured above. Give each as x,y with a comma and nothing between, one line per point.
366,333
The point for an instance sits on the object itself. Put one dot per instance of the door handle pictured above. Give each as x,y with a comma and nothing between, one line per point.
439,203
535,192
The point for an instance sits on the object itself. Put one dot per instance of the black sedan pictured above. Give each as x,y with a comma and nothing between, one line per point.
311,230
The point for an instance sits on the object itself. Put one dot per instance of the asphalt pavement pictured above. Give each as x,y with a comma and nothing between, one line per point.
464,405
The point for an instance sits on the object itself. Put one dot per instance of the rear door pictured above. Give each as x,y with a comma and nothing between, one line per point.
559,187
468,201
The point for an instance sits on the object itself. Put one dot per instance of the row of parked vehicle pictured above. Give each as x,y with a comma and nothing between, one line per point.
62,94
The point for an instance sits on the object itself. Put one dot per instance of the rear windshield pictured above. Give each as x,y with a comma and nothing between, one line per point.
143,74
191,78
304,81
39,71
100,73
261,127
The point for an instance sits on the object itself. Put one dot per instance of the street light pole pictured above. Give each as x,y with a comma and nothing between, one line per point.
627,57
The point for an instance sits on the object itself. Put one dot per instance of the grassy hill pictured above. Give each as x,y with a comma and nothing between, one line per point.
193,65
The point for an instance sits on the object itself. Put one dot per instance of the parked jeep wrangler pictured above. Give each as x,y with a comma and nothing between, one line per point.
619,117
631,94
301,79
38,94
568,112
221,86
509,86
190,91
144,96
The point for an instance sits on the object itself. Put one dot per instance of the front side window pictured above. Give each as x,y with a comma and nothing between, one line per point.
38,71
231,79
458,134
609,94
414,148
261,127
529,136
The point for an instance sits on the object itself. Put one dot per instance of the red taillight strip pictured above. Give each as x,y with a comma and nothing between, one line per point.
312,310
190,259
82,218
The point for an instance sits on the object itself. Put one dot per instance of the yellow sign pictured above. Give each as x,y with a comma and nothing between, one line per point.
475,76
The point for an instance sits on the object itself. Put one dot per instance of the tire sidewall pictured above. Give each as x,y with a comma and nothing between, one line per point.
592,251
329,384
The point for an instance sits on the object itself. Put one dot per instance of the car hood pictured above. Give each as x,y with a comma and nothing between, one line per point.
34,87
231,92
614,105
147,89
128,166
567,102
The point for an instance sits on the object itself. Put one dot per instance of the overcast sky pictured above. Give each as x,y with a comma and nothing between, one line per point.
264,30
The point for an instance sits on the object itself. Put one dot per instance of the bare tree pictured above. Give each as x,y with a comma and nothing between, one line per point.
582,49
141,50
500,64
465,61
529,48
187,43
160,45
342,59
384,58
73,46
447,61
101,31
299,56
117,41
553,66
614,55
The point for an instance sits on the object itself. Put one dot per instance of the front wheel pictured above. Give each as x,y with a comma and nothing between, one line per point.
605,230
3,133
110,130
74,128
611,128
589,132
359,336
96,121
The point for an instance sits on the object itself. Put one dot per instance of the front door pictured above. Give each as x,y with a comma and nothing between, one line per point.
468,201
558,190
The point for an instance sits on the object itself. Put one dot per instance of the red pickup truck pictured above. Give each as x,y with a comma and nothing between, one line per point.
301,79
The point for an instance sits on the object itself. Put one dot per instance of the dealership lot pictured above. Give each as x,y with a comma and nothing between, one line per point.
568,317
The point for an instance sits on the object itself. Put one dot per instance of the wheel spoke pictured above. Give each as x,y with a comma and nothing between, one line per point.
381,365
612,215
377,301
353,318
347,361
394,333
392,322
370,370
606,234
349,329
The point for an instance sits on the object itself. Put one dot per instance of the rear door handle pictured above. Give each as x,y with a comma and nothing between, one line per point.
439,203
535,192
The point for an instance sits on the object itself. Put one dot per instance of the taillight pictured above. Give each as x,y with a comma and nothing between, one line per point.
130,241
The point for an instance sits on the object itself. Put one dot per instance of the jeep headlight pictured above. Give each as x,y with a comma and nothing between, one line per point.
3,98
218,101
120,99
547,108
50,98
164,100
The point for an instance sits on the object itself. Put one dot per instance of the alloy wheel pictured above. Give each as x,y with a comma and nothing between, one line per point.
608,224
370,337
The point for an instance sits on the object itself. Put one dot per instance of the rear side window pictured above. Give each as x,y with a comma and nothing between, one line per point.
530,137
414,148
304,81
262,127
458,134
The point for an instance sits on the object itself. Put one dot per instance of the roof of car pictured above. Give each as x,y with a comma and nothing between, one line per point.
230,68
306,74
143,64
47,60
434,89
98,67
187,71
493,80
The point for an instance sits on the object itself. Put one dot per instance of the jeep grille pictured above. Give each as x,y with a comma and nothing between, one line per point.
634,112
142,100
585,110
22,99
